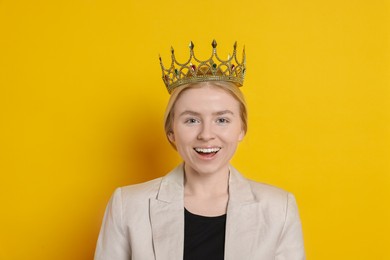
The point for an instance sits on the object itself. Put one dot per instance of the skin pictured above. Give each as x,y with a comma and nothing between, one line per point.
206,118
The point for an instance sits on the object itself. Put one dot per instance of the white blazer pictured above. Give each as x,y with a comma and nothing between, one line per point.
146,222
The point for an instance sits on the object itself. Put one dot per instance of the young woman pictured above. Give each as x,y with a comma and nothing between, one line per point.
204,208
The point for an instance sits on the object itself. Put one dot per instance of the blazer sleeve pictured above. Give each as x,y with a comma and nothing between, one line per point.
290,246
112,241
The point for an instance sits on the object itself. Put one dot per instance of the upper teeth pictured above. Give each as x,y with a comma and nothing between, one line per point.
207,150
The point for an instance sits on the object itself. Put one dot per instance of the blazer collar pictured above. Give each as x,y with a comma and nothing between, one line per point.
167,215
172,186
240,191
241,218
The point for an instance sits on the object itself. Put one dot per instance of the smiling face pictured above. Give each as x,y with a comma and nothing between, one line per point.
206,128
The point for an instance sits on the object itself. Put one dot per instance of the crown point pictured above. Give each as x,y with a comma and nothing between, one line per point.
214,44
213,68
192,45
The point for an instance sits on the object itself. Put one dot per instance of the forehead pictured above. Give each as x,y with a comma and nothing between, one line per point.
206,98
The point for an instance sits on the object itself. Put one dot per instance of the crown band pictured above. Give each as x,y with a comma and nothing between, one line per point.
212,69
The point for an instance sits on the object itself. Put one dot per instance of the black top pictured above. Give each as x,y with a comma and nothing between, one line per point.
204,237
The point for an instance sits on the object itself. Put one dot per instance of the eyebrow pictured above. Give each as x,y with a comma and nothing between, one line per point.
218,113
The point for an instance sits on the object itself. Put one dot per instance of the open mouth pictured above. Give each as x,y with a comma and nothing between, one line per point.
207,151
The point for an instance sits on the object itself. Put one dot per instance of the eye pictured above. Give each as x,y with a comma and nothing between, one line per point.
223,120
191,121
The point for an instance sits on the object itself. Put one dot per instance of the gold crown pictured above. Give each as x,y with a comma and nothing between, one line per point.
195,70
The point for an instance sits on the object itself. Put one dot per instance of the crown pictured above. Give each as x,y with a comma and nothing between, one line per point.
195,70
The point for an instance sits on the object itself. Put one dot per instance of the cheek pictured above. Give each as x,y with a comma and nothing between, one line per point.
233,134
180,135
183,136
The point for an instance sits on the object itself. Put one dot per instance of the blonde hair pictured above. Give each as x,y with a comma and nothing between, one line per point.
229,87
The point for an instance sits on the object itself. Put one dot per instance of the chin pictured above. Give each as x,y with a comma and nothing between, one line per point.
208,169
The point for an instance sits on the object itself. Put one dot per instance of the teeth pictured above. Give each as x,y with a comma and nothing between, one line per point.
207,150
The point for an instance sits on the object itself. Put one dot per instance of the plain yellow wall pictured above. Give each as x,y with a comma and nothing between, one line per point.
82,102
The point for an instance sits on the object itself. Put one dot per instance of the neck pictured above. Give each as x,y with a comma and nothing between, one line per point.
206,185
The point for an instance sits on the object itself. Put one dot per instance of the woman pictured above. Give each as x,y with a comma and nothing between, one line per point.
204,208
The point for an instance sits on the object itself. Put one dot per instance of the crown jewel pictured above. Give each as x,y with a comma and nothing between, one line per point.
212,69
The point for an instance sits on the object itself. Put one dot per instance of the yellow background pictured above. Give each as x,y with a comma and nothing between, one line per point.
82,102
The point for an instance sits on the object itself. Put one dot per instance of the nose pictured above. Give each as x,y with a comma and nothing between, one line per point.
206,132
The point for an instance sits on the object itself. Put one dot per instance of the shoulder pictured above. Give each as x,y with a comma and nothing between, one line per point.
263,190
268,197
133,200
273,198
265,194
279,203
132,194
250,189
139,191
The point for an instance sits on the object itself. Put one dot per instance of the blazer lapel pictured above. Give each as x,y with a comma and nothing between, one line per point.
167,217
242,218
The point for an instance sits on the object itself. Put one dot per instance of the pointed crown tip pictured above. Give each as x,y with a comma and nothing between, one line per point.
211,69
214,43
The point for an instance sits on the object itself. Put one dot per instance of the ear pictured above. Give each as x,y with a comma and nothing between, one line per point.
171,136
241,135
